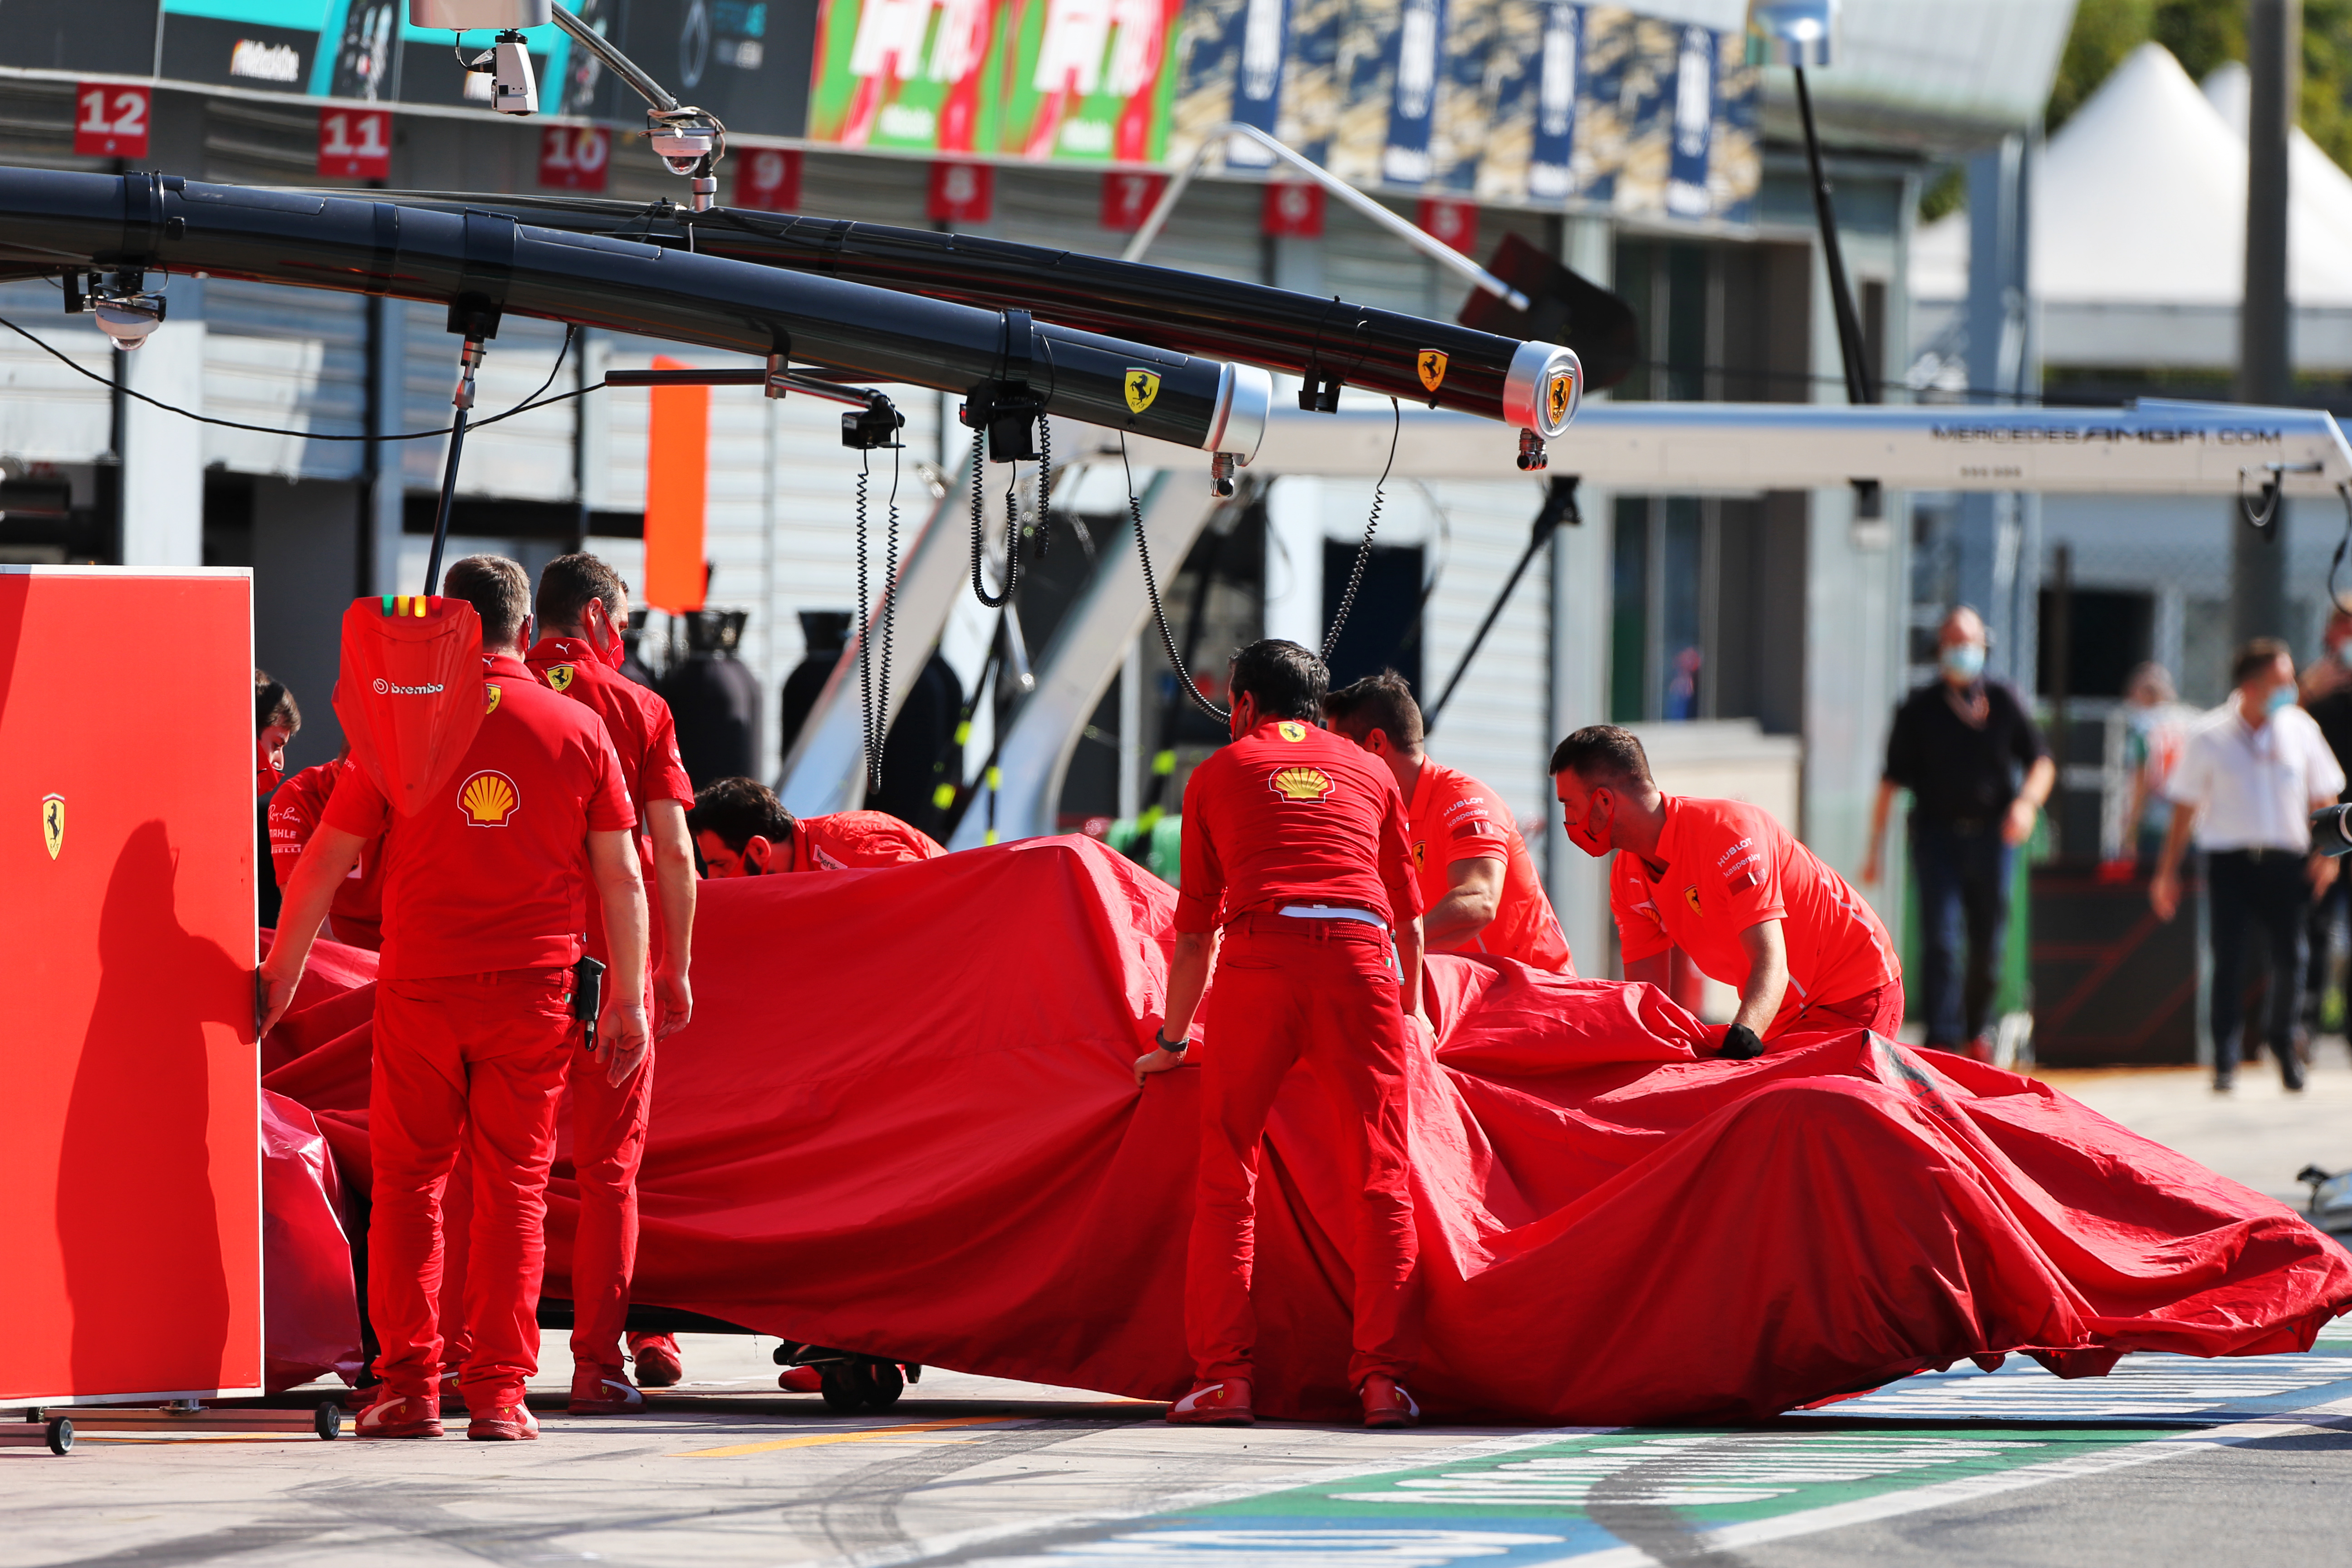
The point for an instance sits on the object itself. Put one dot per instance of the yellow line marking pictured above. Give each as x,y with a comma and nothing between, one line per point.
736,1451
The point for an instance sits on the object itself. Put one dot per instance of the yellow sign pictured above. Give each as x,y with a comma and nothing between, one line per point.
490,694
1291,730
1301,783
560,676
489,798
1559,392
1142,386
52,823
1432,365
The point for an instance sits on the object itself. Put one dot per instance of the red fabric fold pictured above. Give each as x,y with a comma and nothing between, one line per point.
902,1123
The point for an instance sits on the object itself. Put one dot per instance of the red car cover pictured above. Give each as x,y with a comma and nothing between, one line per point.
410,691
902,1123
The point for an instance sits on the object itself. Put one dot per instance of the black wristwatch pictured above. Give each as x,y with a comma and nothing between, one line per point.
1175,1049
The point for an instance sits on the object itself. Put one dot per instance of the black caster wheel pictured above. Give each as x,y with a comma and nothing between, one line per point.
59,1433
887,1383
847,1387
327,1421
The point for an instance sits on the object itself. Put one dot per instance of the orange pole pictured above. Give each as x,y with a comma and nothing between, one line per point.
678,463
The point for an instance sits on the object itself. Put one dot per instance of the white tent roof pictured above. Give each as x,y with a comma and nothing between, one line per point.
2140,198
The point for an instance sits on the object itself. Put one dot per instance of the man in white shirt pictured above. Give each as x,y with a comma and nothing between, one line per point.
2249,778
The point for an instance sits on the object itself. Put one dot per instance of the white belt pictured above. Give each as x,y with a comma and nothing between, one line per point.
1332,912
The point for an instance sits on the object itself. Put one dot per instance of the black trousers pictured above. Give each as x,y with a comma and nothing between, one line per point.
2257,895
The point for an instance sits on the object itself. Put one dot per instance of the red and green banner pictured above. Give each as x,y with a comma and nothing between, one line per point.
1087,80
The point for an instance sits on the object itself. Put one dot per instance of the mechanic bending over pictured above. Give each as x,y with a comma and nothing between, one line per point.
485,891
743,830
1479,891
356,918
1294,857
1727,885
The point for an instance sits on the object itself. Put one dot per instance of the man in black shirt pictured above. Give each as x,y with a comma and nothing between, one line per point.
2326,691
1959,745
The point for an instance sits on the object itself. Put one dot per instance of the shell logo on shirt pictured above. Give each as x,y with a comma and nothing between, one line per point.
1307,785
1291,730
487,799
559,676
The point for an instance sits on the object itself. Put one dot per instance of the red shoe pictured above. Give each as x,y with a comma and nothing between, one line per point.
603,1391
800,1380
1223,1404
658,1363
506,1424
1386,1403
398,1416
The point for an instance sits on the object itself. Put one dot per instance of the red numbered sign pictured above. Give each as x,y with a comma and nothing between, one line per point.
768,179
1293,211
1127,199
575,157
110,120
354,143
963,193
1455,223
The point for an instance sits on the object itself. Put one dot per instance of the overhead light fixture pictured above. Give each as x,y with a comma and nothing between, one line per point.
1802,33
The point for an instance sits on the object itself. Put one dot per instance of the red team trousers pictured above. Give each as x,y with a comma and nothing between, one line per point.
474,1062
1319,994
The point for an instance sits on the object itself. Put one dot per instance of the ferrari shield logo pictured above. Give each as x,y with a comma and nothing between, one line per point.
491,693
560,676
52,823
1142,386
1691,895
1432,366
1291,730
1421,856
1560,391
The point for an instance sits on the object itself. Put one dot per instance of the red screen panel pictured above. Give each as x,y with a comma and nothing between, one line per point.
130,1217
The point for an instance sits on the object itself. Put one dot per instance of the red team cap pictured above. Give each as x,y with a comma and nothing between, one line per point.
410,694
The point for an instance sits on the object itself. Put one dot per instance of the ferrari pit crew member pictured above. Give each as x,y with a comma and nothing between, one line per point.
275,720
1479,891
1726,884
1295,852
582,604
356,917
743,830
486,890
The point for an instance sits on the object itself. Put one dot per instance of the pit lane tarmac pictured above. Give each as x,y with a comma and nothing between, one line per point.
2167,1460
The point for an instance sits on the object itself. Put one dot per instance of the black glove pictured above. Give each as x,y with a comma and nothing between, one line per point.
1740,1044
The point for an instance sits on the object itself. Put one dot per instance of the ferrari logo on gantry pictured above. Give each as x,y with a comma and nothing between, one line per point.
1142,386
1557,393
52,823
1432,365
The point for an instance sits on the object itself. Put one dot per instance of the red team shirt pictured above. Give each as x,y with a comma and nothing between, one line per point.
1729,865
540,776
645,737
356,917
1451,817
847,840
1291,814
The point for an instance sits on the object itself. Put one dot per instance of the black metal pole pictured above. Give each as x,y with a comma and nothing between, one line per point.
1860,386
462,400
2265,365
